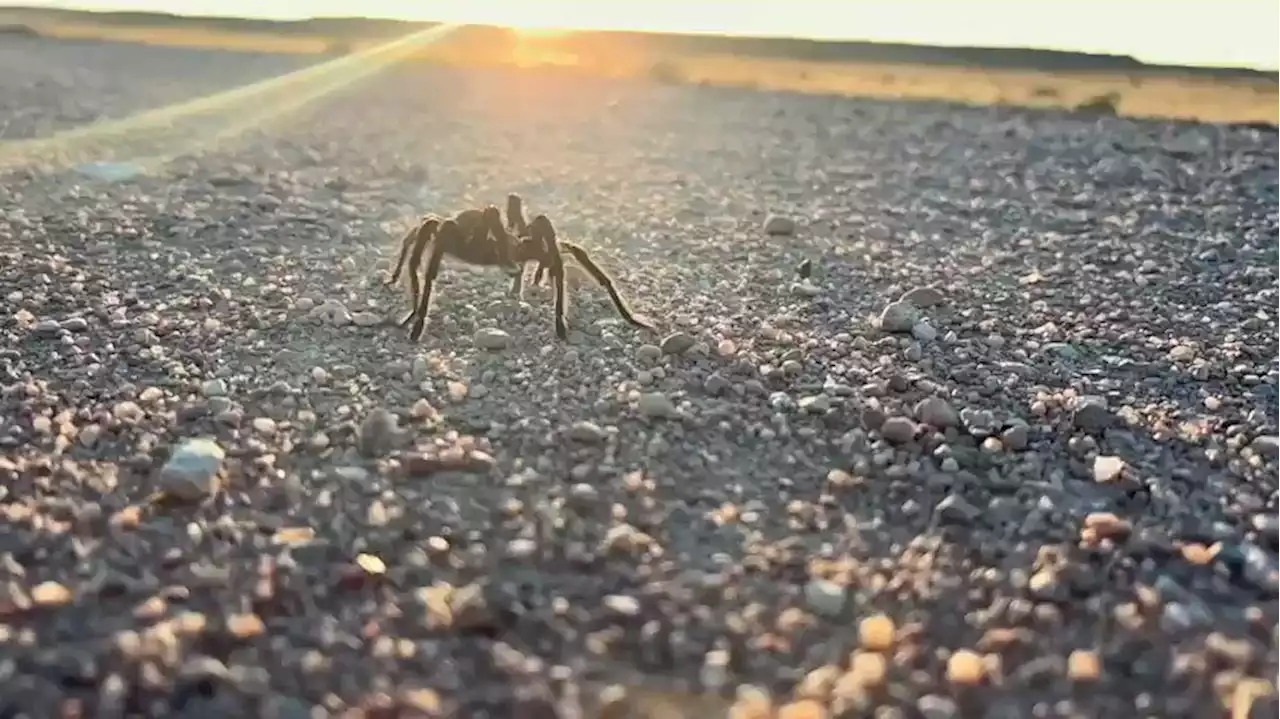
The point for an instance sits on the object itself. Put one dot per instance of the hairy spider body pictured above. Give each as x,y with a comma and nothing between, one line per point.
484,243
477,237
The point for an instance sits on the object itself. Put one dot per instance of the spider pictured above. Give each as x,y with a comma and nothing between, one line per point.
478,237
487,245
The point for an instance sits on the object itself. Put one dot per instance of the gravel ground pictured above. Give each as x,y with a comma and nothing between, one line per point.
1009,451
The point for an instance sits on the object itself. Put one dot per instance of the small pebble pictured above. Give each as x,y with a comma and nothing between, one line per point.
191,472
1107,468
779,226
677,343
589,432
492,339
657,405
876,633
965,667
899,317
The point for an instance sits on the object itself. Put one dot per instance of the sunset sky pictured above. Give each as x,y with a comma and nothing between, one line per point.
1193,32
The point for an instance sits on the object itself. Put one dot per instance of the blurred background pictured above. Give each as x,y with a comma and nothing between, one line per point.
1213,60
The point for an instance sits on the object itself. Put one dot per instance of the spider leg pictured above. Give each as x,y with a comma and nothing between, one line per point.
603,279
542,230
448,235
515,216
423,237
517,283
405,243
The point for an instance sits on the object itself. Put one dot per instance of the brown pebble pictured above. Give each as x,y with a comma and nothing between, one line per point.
1199,554
965,667
875,633
818,683
1084,666
868,669
802,709
127,518
1001,638
751,703
50,594
1246,691
189,624
1098,526
422,700
453,459
293,535
152,609
245,626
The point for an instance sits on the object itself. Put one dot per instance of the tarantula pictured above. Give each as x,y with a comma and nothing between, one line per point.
478,237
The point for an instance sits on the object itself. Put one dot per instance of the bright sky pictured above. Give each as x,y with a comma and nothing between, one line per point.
1190,32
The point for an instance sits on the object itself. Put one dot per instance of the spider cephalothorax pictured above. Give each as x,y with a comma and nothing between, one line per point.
478,237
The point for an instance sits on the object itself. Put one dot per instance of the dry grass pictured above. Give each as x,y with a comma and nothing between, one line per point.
1165,96
1161,94
189,37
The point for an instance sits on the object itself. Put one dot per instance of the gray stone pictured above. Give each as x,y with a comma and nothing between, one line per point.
778,225
1091,414
898,430
677,343
377,433
587,432
899,317
937,412
491,338
191,474
47,328
825,597
1267,446
924,297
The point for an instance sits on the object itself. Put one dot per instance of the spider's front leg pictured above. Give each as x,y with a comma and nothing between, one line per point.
405,243
423,236
448,235
543,232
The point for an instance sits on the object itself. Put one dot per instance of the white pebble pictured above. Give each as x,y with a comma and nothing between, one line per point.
622,604
778,225
492,339
1107,468
656,404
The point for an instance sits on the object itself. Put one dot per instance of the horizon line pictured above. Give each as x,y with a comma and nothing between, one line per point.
69,8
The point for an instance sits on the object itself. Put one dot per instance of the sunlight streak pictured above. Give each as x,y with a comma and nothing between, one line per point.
251,105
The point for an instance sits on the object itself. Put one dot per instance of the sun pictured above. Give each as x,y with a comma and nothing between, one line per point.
540,32
533,18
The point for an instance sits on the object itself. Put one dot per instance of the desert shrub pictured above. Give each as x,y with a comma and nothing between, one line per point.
1045,91
1107,104
666,72
18,30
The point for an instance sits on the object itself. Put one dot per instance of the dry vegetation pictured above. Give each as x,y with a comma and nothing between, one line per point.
1139,94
